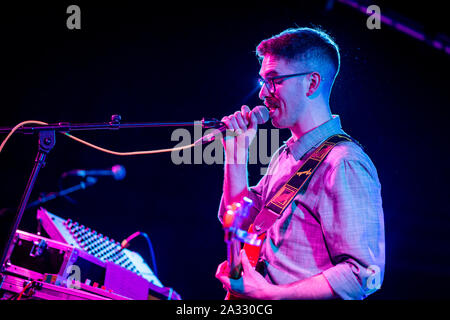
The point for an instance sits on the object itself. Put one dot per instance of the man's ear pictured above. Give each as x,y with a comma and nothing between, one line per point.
314,82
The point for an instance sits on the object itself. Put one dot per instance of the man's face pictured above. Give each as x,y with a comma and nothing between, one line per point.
287,102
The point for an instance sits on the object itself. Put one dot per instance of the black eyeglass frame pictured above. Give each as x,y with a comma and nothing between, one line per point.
284,77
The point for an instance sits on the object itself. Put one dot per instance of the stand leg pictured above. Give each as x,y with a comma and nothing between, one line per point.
46,143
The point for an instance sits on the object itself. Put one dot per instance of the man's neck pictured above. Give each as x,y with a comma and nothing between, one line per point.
309,121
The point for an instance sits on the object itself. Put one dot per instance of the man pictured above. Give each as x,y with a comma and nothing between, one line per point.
329,242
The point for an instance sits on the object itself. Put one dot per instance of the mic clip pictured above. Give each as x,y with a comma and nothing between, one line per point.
115,121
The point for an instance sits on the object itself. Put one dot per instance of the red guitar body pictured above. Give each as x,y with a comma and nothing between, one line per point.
252,253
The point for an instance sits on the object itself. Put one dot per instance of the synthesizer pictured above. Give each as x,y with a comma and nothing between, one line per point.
94,243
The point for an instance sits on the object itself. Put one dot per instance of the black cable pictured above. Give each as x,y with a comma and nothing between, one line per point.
125,243
152,253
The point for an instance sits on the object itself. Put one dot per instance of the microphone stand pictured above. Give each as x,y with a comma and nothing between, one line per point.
90,181
46,144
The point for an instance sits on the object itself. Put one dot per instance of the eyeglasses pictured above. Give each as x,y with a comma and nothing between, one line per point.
271,82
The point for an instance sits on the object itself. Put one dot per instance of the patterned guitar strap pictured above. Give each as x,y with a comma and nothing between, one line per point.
275,207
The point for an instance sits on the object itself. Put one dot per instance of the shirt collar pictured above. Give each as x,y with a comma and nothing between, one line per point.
314,137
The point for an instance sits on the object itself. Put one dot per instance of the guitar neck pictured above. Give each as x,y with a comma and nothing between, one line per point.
234,260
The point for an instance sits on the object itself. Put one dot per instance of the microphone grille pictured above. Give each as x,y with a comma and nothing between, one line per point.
119,172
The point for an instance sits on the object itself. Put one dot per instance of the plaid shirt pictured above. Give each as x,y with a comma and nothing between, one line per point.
335,227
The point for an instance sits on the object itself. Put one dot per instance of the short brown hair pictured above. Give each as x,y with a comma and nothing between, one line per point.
308,45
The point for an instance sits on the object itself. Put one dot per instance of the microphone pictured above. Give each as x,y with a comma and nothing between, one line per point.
262,116
118,172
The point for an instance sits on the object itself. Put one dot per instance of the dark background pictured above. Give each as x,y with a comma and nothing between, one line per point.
184,62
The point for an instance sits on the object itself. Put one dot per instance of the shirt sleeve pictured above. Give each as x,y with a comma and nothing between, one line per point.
351,215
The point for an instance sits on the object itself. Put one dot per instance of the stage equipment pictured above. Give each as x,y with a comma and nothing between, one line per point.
76,262
46,144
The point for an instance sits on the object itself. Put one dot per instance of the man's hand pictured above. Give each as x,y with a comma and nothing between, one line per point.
251,285
243,130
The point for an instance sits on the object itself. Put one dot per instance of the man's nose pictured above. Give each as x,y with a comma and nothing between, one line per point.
263,92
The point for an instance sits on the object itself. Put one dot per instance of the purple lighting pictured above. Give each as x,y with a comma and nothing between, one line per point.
411,30
437,44
386,20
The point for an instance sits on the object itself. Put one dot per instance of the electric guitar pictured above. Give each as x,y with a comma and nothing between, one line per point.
235,236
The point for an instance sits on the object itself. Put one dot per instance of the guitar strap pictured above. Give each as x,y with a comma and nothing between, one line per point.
281,200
